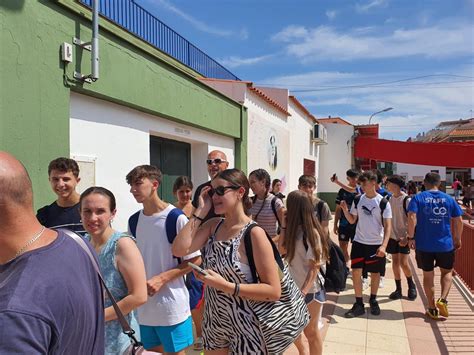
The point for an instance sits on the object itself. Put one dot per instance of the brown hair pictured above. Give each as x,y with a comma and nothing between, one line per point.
182,181
237,178
64,165
144,171
100,191
301,215
306,180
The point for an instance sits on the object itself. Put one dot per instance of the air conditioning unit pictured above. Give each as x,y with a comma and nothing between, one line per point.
320,134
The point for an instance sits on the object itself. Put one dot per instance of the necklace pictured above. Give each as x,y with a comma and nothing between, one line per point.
22,250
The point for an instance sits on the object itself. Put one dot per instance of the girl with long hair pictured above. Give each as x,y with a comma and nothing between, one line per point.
120,262
306,249
230,325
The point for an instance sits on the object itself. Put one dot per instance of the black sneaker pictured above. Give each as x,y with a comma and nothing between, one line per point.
396,295
356,311
374,307
412,294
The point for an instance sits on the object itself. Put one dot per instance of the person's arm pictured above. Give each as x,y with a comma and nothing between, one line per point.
269,287
344,186
130,265
337,217
387,230
352,219
411,229
310,277
457,231
281,240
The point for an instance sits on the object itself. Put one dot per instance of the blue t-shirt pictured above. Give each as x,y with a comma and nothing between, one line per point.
51,302
434,210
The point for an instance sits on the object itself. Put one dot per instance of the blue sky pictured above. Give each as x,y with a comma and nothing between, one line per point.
343,58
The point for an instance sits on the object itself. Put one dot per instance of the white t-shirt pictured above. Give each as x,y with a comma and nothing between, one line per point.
170,305
300,265
369,225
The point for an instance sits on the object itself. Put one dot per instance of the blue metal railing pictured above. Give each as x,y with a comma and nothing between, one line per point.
135,19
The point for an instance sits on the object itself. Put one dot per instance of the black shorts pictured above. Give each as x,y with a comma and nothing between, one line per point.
427,261
362,257
346,233
394,248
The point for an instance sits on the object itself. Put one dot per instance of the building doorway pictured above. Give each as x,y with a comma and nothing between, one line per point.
173,158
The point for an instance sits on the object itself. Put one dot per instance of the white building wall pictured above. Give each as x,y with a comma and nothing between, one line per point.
111,140
336,156
418,172
264,122
300,129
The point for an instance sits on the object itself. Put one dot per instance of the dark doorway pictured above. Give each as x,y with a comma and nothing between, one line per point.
174,159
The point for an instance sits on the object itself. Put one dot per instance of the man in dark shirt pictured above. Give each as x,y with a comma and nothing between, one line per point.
50,296
216,162
64,212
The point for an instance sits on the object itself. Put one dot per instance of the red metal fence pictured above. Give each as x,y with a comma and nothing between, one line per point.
464,264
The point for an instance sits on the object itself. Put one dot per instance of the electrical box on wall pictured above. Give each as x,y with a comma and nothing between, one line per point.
66,52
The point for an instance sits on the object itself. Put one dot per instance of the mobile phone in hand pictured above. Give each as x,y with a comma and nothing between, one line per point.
199,269
333,178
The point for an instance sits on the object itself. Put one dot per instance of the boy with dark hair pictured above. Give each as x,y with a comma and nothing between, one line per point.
433,213
322,212
165,320
397,245
373,214
342,228
64,212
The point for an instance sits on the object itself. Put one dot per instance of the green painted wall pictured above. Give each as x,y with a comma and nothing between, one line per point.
330,198
35,85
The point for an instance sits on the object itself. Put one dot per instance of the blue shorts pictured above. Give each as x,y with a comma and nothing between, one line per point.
174,338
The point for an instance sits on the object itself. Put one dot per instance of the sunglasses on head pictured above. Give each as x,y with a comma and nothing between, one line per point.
220,190
215,161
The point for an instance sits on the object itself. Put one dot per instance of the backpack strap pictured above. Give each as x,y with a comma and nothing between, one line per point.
319,207
383,205
170,224
405,202
273,204
132,223
249,251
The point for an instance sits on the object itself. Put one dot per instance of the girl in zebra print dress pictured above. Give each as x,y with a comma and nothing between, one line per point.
302,240
230,326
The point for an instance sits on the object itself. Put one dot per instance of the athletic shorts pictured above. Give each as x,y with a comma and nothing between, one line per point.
362,257
174,338
427,261
394,248
346,233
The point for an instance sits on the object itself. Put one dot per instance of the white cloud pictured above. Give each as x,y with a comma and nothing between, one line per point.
198,24
234,61
369,5
331,14
327,43
418,105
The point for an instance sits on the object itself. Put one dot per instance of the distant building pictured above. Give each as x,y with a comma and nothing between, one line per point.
461,130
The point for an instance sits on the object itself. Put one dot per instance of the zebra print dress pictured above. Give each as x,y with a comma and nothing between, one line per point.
229,321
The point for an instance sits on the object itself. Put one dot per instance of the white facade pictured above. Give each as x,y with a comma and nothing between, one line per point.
109,140
268,139
300,127
418,172
336,156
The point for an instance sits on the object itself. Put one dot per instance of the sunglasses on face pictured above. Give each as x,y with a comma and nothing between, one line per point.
220,190
215,161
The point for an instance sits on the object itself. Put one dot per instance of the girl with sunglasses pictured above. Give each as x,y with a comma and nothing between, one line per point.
230,325
306,248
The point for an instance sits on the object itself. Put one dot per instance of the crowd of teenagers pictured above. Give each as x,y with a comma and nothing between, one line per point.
250,272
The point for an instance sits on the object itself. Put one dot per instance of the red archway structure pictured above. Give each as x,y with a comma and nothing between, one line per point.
455,154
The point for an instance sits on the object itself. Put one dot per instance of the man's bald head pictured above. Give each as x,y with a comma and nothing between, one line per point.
15,183
214,168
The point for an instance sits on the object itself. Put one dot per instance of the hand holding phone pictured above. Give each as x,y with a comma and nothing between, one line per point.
199,269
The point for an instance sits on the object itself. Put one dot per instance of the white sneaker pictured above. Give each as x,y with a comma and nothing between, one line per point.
198,345
365,284
381,282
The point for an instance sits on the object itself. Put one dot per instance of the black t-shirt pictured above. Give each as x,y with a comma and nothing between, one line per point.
195,202
55,216
347,196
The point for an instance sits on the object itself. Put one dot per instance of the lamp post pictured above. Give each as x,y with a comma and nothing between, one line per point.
376,113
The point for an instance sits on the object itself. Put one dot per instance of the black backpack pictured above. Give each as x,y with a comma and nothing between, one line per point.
336,273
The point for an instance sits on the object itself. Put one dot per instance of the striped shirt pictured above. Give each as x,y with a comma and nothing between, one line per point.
264,215
55,216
